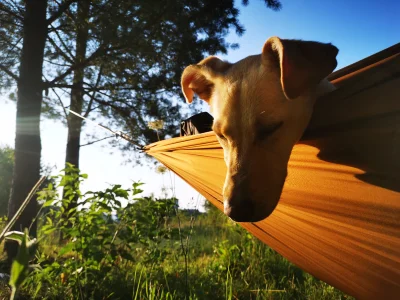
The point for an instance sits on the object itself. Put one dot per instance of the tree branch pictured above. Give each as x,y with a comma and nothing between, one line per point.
21,10
10,12
62,42
15,45
68,11
66,57
125,113
88,89
99,91
94,92
91,143
93,108
63,27
9,73
11,23
62,105
56,64
63,7
82,64
110,104
48,84
100,51
9,42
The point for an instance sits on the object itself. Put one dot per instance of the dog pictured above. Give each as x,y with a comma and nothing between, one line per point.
261,105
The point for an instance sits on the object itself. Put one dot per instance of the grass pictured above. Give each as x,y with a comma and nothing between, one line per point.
228,263
206,257
225,262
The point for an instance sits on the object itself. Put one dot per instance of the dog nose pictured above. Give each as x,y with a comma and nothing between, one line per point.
241,210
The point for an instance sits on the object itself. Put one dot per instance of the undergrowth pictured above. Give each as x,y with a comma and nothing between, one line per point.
150,249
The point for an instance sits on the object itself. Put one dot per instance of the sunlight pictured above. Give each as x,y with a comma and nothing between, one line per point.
7,121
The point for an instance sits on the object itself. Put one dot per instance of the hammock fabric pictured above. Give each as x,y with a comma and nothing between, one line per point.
339,214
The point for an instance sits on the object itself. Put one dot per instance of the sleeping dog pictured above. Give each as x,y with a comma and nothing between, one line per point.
261,106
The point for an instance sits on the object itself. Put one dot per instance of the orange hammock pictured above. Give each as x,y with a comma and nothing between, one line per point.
339,214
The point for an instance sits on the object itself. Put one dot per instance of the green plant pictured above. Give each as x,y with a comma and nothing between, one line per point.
6,171
20,267
3,222
124,246
99,236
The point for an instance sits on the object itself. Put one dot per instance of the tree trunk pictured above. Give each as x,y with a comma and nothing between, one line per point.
27,136
75,123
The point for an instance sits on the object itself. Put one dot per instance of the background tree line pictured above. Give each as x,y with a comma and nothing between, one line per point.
119,61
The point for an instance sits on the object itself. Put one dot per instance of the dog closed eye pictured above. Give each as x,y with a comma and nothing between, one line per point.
221,138
264,132
217,128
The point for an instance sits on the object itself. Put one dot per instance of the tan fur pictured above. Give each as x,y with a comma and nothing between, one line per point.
261,106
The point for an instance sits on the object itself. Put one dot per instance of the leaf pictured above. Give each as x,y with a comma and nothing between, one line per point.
17,236
49,220
35,267
38,287
63,181
12,97
20,265
66,249
77,271
137,184
48,230
121,193
105,206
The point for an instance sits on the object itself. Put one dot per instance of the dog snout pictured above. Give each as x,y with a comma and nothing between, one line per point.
244,209
239,210
247,198
244,202
237,205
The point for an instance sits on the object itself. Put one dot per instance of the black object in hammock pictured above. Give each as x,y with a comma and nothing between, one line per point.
196,124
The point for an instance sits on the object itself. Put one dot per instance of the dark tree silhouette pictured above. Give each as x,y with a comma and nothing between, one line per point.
120,61
32,20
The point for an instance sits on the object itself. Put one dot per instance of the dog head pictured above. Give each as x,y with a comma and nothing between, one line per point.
261,106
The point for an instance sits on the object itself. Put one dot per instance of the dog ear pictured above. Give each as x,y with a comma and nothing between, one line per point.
302,64
193,81
199,78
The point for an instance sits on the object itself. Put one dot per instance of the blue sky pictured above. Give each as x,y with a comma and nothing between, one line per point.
357,28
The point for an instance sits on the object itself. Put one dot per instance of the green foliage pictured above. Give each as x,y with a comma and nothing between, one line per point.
10,43
6,173
140,251
20,267
99,235
136,52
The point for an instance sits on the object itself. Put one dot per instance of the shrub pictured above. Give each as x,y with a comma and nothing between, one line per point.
97,238
148,249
